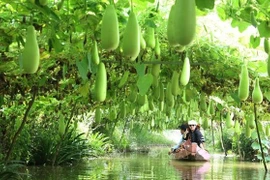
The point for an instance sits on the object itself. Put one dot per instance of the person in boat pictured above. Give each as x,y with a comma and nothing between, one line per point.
194,133
183,130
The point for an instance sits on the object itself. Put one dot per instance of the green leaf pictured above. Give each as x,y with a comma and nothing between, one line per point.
84,89
254,41
205,4
267,95
123,79
140,68
234,95
144,83
264,29
58,47
242,25
221,13
83,68
255,145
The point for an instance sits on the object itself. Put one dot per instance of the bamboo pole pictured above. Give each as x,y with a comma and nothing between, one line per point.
259,137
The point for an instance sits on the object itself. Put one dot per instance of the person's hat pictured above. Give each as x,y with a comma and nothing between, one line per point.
183,127
192,122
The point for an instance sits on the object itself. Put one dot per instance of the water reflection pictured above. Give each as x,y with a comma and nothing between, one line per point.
155,165
191,170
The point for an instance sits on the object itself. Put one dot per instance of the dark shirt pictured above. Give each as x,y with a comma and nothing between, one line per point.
196,136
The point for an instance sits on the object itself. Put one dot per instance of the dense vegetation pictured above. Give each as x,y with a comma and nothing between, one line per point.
54,115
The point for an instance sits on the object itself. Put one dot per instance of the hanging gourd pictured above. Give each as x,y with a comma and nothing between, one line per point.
30,54
185,74
243,90
257,96
109,29
131,38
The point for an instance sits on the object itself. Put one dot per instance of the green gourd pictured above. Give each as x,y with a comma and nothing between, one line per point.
171,32
123,110
229,121
268,65
94,54
30,54
251,121
175,83
212,108
253,19
133,95
261,127
257,96
131,37
61,126
141,99
185,74
237,129
101,83
266,45
43,2
156,92
109,29
169,96
185,23
203,105
161,91
142,42
151,104
155,70
205,123
248,130
150,37
157,47
243,90
97,115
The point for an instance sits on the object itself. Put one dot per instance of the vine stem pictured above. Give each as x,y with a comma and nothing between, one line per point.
258,133
222,138
34,89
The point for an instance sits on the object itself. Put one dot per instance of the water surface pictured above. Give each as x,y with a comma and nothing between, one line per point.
154,165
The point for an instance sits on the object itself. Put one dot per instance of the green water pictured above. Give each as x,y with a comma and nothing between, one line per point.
154,165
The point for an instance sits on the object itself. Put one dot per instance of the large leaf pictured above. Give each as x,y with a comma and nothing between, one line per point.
221,13
205,4
264,29
254,41
140,68
144,83
255,145
242,25
83,68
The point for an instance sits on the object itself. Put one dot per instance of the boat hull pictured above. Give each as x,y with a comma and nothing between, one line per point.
191,152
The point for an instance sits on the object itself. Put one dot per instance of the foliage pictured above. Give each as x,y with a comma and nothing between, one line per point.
12,171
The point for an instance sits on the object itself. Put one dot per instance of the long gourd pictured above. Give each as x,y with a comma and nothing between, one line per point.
185,21
109,29
131,39
185,74
257,96
243,90
30,54
101,83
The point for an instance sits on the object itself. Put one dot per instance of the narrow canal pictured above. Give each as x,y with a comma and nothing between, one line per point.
156,164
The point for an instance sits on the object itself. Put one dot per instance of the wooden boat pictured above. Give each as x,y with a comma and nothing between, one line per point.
191,151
